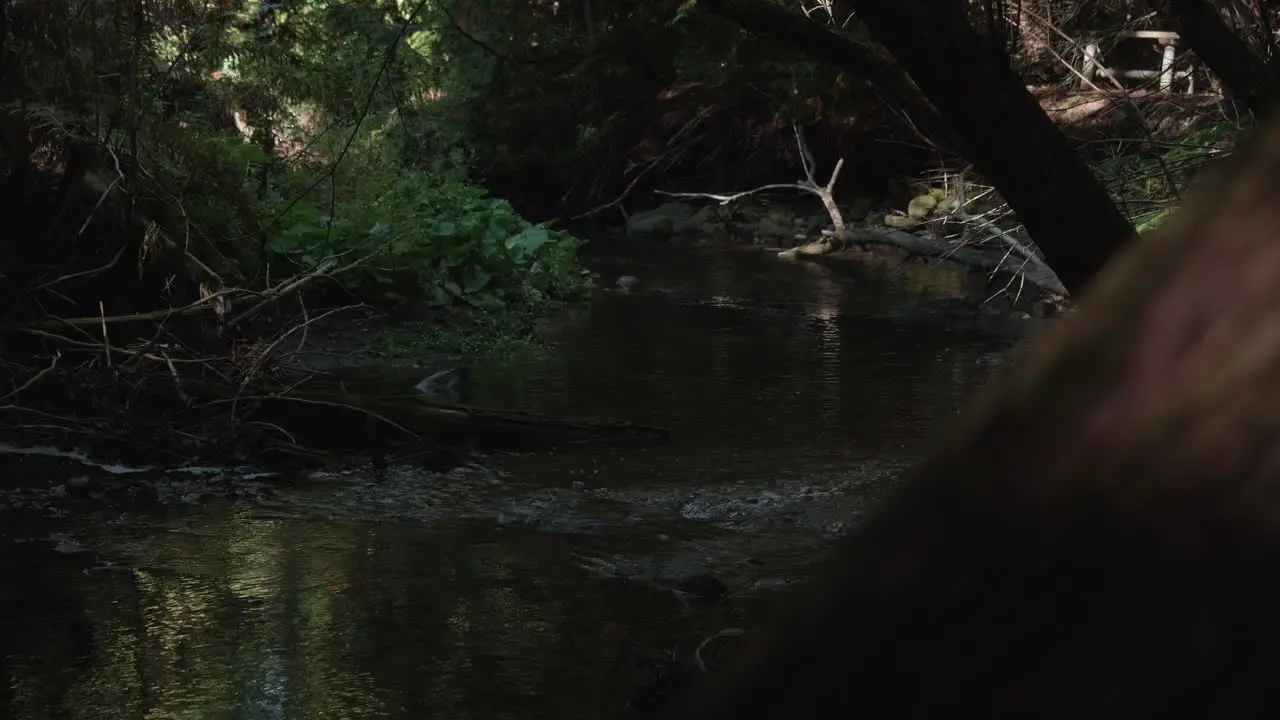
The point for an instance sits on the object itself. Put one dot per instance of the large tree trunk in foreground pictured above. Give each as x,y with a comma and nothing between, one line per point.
1100,535
1005,133
1245,76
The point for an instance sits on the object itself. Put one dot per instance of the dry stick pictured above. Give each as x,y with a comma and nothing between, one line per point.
93,211
842,233
71,422
291,286
302,341
809,185
266,353
988,226
1131,108
301,327
292,438
325,403
188,309
114,181
83,273
106,339
36,378
177,381
98,346
160,329
186,243
656,162
697,652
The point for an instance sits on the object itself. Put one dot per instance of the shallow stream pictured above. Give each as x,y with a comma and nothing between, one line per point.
518,586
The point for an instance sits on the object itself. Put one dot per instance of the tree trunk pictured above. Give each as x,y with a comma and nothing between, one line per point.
1244,75
1004,131
1100,536
862,60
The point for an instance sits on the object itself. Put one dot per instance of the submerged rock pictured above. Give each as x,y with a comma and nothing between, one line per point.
700,592
660,222
443,386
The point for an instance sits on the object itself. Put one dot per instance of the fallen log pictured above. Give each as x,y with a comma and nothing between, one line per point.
1032,269
1100,533
349,420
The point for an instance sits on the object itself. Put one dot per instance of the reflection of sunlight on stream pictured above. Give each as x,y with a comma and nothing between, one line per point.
510,588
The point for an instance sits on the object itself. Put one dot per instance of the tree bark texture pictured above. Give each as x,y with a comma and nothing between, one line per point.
1100,534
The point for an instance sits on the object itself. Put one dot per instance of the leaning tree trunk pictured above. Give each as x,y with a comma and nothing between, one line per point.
1004,131
1100,535
1245,76
864,61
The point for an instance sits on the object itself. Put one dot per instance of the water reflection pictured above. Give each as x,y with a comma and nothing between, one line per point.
252,618
528,589
783,365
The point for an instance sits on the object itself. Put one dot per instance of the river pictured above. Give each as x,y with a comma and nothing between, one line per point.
516,586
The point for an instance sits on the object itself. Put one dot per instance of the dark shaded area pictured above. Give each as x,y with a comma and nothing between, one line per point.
46,625
861,57
1246,76
1097,536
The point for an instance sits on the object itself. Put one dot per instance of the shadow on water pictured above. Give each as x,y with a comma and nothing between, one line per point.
520,586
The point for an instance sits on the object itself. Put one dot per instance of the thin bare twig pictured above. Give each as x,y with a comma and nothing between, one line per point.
34,379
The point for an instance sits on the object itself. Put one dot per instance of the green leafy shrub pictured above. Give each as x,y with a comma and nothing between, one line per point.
1140,182
411,236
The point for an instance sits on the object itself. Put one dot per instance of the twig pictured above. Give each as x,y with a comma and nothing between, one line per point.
302,341
326,403
291,286
809,185
672,150
292,438
188,309
98,346
84,273
1130,108
106,339
177,381
35,378
270,349
94,210
697,652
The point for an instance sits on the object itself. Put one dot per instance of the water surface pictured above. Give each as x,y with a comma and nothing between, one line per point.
519,586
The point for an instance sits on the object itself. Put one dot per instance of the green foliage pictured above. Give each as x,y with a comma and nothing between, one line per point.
1147,186
412,236
309,134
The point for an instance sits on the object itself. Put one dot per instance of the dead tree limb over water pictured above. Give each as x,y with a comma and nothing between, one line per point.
999,125
1099,535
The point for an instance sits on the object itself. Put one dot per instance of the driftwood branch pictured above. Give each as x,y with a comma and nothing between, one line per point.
1031,268
809,184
